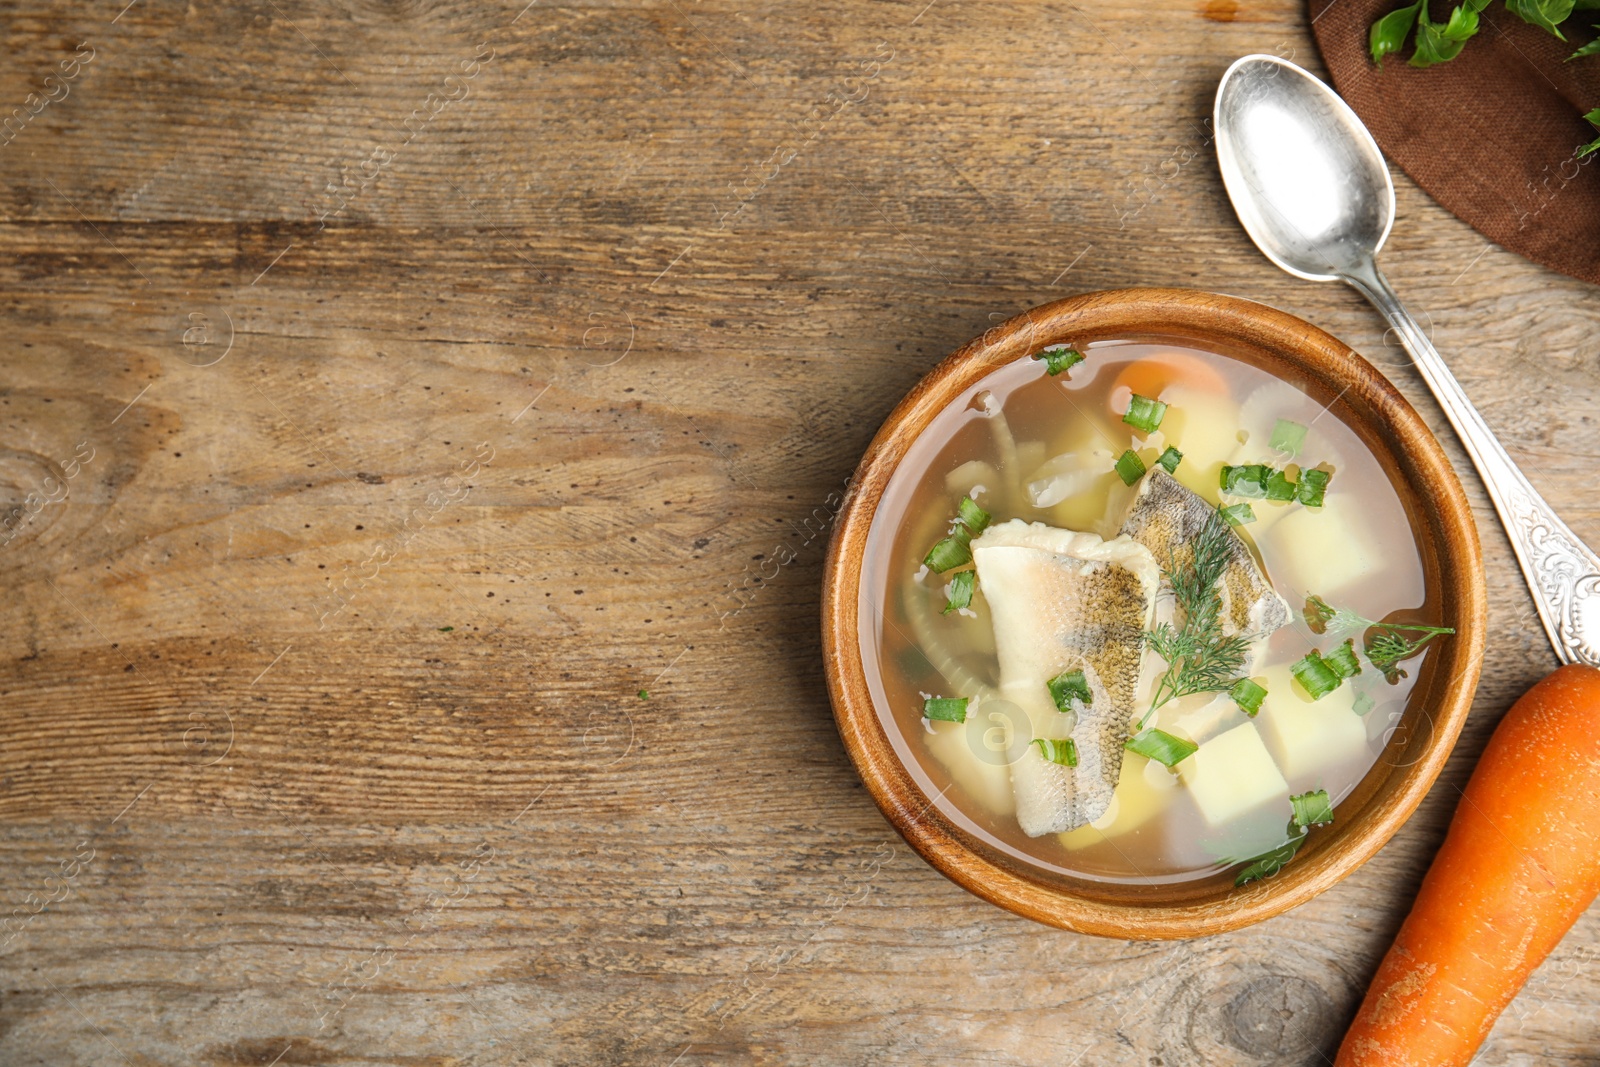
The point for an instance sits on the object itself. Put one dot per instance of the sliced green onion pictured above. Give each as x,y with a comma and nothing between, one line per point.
1064,751
1238,514
958,594
1312,484
946,709
1313,808
1248,481
1315,676
1342,660
1058,358
1288,437
953,551
1248,695
1067,687
1362,704
972,515
1279,487
1130,468
1170,460
1310,809
1144,414
1161,746
1272,862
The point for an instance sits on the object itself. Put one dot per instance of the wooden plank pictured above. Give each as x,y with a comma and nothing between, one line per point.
340,734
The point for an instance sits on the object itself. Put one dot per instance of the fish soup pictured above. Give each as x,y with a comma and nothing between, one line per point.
1143,612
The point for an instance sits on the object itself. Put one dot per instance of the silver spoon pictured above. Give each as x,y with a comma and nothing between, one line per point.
1314,194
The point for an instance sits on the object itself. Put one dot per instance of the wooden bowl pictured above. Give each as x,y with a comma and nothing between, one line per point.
1391,790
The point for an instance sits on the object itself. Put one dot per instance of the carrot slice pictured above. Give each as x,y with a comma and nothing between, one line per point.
1153,374
1520,863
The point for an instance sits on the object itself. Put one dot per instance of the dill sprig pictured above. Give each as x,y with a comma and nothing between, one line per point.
1200,658
1386,647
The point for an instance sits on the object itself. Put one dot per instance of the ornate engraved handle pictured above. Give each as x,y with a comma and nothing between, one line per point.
1563,574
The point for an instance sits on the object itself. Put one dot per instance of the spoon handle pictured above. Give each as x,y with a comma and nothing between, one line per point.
1562,573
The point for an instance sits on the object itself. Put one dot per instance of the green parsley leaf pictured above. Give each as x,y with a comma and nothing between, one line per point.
1389,33
1441,43
1593,119
1545,14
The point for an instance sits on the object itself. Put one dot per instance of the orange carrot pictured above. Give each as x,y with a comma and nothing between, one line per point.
1520,863
1149,376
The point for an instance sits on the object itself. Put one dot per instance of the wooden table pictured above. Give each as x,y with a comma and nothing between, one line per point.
406,673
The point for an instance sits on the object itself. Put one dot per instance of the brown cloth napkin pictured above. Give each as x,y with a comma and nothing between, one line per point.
1491,135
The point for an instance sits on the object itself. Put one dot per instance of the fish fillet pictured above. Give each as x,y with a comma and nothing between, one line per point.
1166,516
1064,601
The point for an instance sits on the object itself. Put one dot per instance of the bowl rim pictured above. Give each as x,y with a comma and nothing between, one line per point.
1202,318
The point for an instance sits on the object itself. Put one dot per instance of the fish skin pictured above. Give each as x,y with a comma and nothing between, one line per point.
1051,798
1062,601
1166,515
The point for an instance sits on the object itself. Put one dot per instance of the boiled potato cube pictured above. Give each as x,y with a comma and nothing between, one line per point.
1324,549
1204,427
1307,736
1231,774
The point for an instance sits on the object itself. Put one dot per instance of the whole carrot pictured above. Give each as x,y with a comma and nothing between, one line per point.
1520,863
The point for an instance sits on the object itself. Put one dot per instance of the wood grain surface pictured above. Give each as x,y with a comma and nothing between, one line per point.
397,391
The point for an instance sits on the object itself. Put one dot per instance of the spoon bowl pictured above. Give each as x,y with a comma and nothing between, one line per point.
1305,176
